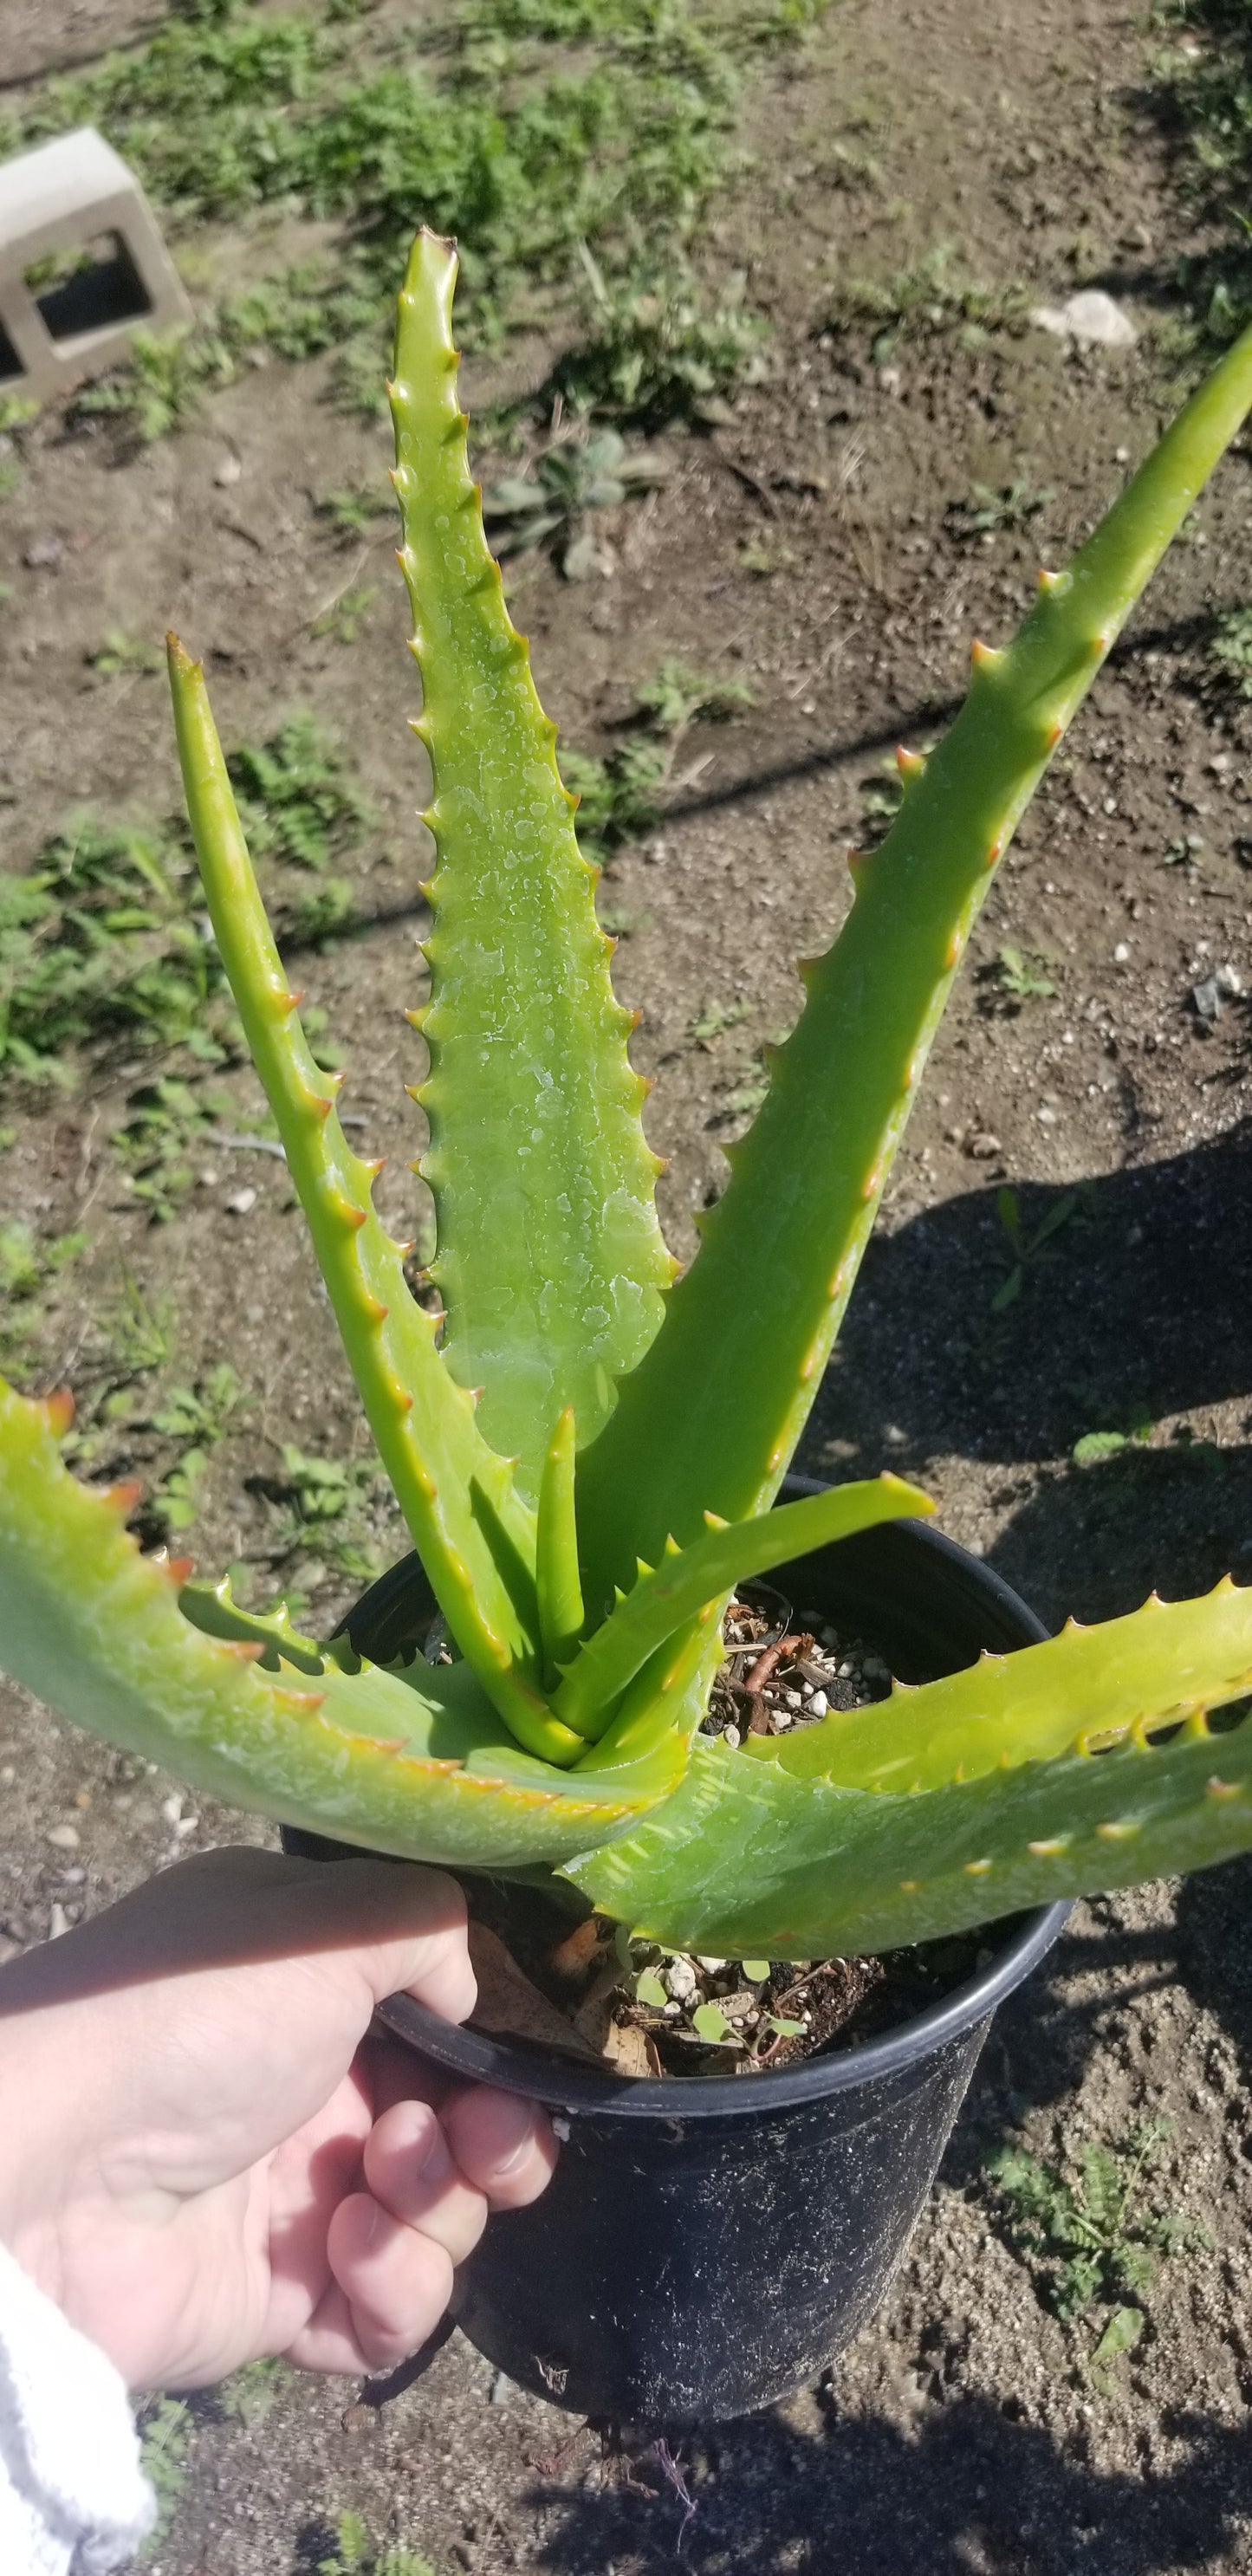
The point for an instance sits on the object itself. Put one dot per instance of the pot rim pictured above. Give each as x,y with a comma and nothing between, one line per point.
478,2059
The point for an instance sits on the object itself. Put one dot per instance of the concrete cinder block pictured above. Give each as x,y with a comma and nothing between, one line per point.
76,195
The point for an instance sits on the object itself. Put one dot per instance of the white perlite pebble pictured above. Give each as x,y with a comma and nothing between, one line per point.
1091,318
819,1704
680,1980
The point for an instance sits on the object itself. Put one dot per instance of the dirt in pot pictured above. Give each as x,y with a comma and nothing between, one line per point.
592,1992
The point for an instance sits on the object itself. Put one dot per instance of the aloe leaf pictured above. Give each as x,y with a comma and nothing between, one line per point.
476,1537
560,1589
696,1578
759,1853
550,1259
1157,1667
415,1762
713,1412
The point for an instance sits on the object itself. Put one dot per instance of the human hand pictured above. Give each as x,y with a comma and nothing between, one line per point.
203,2157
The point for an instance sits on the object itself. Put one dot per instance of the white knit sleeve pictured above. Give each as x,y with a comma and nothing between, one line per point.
73,2497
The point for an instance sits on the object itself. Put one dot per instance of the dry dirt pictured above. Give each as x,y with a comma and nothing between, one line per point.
962,2432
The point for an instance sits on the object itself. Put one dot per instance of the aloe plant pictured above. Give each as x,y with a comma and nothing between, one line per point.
587,1449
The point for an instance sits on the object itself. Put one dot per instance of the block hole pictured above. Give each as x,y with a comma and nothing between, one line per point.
11,368
87,287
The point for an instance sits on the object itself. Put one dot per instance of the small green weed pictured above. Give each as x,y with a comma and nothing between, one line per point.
345,616
165,1121
27,1269
295,802
572,480
248,2396
356,2553
715,1019
991,510
324,915
123,656
352,513
1096,1446
165,2430
932,301
617,796
1231,648
657,353
1018,976
677,695
1027,1248
163,386
1093,2240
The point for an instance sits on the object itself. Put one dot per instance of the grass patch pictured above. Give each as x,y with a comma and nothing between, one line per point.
545,170
1203,87
103,940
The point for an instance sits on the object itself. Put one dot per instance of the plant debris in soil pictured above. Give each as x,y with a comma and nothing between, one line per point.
597,1994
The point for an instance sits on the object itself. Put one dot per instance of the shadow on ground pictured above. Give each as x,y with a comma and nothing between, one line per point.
969,2489
1135,1307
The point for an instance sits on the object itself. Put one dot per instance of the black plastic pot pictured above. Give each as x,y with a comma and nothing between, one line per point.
706,2246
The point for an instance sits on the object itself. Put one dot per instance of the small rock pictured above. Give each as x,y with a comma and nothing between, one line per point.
1229,981
892,382
209,1178
171,1809
819,1704
730,1736
793,1699
63,1837
228,472
1046,1117
43,554
713,1966
58,1922
1091,318
498,2393
982,1146
782,1719
241,1203
680,1980
1121,954
1207,998
74,1876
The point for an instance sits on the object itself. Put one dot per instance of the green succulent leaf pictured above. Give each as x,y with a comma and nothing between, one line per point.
767,1849
550,1259
710,1417
475,1535
694,1581
415,1762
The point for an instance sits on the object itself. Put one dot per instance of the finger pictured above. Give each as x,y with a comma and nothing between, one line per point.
397,2282
502,2143
329,2340
409,2168
392,2072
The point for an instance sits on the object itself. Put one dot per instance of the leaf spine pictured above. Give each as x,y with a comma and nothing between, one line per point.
58,1412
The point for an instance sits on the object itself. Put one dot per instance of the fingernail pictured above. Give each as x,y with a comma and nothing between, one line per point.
431,2154
515,2127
